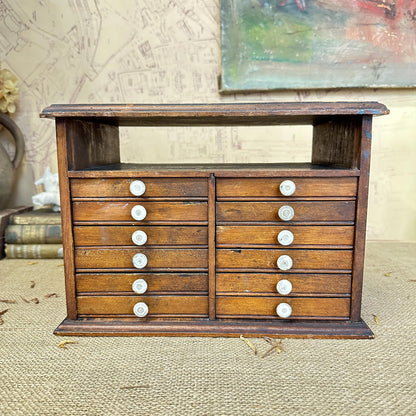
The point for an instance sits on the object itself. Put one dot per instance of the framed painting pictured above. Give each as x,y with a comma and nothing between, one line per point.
303,44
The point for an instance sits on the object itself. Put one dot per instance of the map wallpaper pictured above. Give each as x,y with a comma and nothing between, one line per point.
168,51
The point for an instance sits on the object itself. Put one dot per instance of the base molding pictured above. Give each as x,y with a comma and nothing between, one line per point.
217,328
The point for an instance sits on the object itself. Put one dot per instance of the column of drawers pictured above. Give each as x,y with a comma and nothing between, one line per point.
140,247
284,247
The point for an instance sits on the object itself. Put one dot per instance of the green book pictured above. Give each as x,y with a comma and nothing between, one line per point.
34,234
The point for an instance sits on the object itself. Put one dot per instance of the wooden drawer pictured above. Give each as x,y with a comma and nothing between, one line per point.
302,284
265,307
112,235
157,282
165,306
156,211
100,258
266,259
267,234
268,211
269,187
155,187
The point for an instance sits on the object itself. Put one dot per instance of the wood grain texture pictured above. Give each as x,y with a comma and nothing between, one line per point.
268,211
213,114
155,187
269,187
265,283
243,235
267,258
101,258
90,144
158,305
156,211
265,307
321,329
211,248
66,218
157,282
112,235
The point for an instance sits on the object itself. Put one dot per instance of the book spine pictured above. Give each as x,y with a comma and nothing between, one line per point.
34,251
35,219
34,234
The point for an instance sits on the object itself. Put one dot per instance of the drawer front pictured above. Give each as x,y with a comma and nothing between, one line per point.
302,235
270,187
265,307
155,211
267,259
100,258
302,284
155,187
268,211
156,282
165,306
112,235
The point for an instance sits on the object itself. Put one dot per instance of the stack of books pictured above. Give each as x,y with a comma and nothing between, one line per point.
34,235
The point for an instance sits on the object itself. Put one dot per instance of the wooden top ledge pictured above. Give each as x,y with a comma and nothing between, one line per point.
213,114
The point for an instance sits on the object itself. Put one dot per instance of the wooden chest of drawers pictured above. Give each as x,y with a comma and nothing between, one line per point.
217,250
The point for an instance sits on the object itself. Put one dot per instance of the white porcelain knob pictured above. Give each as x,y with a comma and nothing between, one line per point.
284,287
139,237
287,188
284,310
139,286
137,188
284,262
138,212
286,213
140,309
285,238
139,260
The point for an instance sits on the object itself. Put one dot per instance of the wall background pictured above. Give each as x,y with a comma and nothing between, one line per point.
167,51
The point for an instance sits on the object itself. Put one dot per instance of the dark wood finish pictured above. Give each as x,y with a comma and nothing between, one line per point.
62,142
211,247
155,187
212,229
335,142
112,235
258,284
302,259
90,144
157,282
250,307
361,219
111,211
219,328
158,305
311,235
268,211
213,114
267,187
101,258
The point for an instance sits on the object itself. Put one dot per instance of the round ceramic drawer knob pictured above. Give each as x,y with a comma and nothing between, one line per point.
284,310
138,212
140,309
137,188
287,188
286,213
284,262
139,286
139,260
285,238
284,287
139,238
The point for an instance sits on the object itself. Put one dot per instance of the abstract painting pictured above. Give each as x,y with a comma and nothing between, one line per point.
302,44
